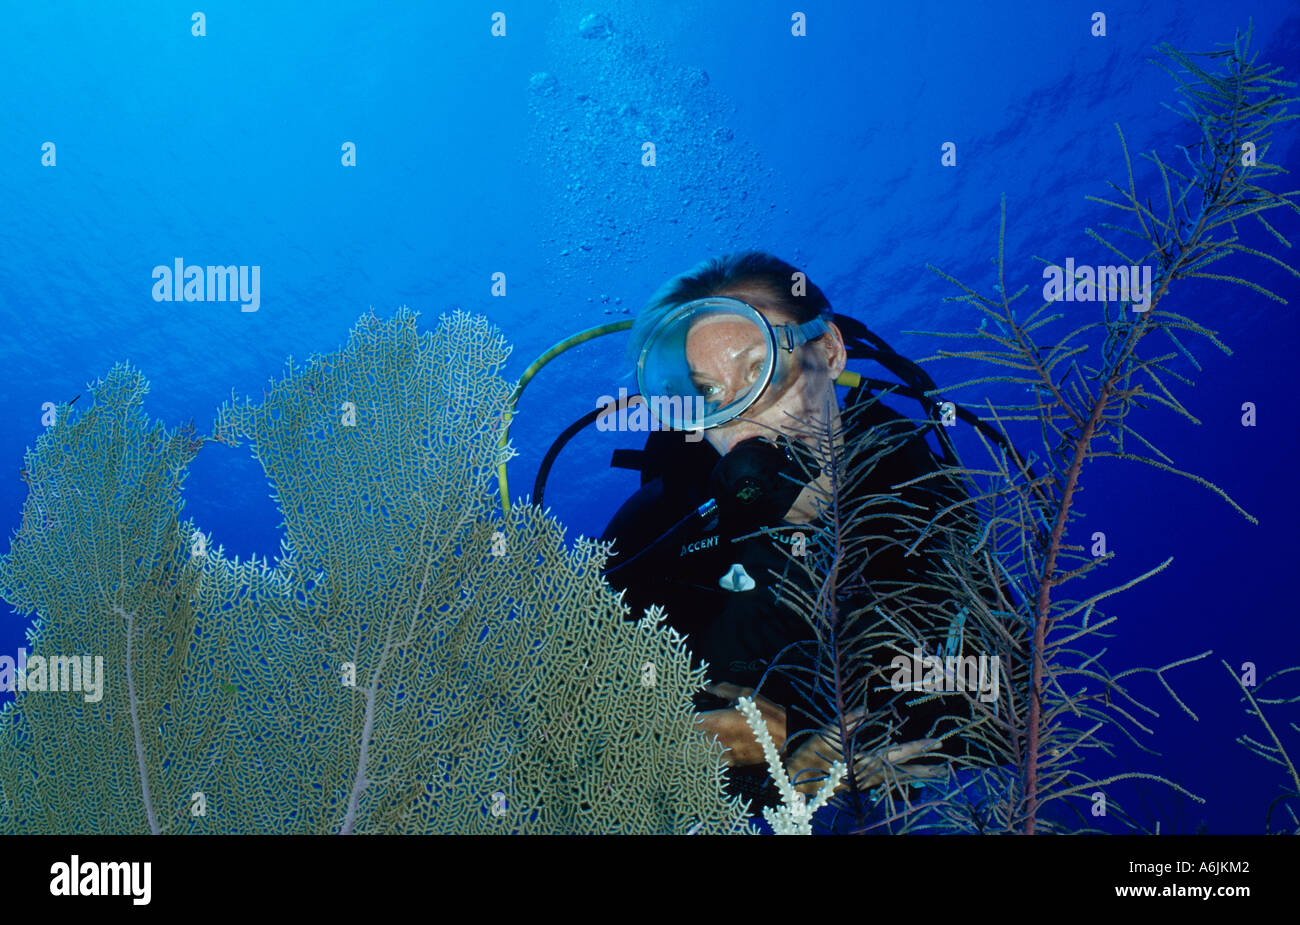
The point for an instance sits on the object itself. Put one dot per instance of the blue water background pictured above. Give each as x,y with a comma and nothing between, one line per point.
225,149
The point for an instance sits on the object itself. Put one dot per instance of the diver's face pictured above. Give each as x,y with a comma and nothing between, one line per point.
726,357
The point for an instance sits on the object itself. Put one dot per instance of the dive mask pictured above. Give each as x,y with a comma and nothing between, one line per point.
708,360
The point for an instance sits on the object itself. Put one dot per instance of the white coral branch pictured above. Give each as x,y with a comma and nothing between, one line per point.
794,815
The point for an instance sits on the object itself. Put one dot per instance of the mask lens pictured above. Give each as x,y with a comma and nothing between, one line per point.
705,363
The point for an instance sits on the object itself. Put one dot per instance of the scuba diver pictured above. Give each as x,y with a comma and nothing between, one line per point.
746,352
745,349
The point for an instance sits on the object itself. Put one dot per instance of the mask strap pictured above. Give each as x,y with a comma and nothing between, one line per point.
798,335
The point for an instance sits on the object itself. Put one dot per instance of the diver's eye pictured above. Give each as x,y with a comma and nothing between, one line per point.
711,393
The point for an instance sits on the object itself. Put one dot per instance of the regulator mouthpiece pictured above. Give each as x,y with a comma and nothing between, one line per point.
757,482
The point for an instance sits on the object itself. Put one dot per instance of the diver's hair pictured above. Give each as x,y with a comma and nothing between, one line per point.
718,275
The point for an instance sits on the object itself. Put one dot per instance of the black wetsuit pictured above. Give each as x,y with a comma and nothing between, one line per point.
739,633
